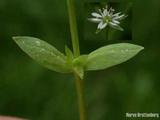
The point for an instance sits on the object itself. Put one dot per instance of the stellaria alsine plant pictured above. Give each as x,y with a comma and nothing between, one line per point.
75,63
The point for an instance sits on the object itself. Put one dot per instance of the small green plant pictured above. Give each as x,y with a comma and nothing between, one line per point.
72,62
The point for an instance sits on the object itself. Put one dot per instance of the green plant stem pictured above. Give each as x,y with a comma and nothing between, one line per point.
73,27
76,51
81,102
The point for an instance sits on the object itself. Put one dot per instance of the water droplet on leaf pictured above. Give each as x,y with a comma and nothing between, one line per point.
38,43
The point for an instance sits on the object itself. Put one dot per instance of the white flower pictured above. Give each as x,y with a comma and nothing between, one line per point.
106,17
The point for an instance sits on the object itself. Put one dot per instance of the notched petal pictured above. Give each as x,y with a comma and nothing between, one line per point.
94,14
94,20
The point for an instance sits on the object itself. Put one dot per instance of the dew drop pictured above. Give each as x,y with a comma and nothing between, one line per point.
38,43
112,51
127,50
42,50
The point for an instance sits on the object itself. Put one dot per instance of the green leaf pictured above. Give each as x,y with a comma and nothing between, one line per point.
44,53
111,55
69,56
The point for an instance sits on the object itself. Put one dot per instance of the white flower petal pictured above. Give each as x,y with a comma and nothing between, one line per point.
106,6
111,11
116,14
102,25
96,15
100,11
105,12
116,26
120,17
113,24
95,20
115,21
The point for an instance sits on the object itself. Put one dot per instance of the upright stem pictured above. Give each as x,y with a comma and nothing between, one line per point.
79,86
73,27
76,51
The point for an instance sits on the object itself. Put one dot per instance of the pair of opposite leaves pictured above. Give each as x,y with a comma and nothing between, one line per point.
102,58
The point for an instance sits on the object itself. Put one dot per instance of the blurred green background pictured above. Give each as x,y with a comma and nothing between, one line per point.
30,91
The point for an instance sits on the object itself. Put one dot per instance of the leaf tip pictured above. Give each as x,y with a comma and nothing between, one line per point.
15,38
141,48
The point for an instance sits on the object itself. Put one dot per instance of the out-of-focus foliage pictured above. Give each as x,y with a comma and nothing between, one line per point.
31,91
